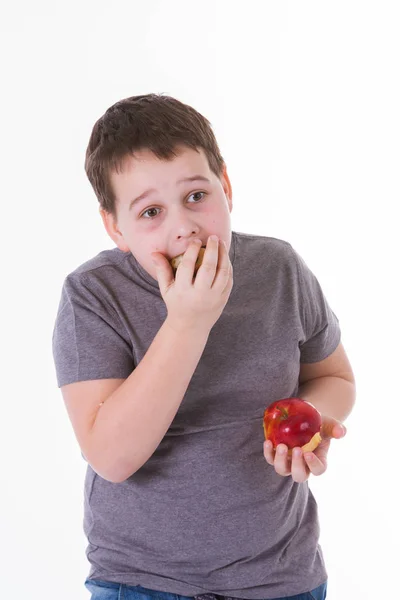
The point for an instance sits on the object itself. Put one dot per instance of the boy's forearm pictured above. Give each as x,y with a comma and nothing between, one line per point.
332,396
134,419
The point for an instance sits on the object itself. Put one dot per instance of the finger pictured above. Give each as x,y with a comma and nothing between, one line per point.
339,431
164,272
332,428
206,273
224,275
229,283
269,452
315,464
282,462
185,271
300,470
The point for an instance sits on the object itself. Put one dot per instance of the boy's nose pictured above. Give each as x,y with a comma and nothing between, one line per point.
191,235
185,228
182,225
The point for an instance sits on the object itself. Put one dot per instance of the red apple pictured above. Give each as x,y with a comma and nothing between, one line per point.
293,422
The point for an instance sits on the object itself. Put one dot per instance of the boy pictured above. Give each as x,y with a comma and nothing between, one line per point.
166,378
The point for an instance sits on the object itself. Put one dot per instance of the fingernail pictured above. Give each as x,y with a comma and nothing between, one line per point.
214,238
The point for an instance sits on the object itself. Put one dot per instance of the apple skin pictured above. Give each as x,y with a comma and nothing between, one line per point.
293,422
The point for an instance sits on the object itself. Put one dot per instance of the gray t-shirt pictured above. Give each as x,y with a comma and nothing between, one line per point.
206,512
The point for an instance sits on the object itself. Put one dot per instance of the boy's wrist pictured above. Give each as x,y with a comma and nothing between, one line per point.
183,328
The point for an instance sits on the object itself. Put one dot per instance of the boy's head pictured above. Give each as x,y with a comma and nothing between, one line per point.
157,143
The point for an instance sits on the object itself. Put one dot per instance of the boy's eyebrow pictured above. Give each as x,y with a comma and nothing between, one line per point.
152,190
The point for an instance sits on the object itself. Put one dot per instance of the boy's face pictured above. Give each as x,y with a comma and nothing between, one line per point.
174,211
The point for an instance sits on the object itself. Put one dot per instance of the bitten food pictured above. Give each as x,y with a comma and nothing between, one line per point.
177,259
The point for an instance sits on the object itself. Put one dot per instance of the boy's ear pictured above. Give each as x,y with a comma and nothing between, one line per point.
227,186
111,227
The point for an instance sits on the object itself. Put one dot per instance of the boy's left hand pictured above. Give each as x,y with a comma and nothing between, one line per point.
300,466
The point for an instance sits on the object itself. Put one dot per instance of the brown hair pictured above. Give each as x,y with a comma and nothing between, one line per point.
149,122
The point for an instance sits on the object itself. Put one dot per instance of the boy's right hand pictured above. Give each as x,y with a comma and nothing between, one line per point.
198,302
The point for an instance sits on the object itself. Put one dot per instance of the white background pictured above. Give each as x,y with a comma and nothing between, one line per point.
304,99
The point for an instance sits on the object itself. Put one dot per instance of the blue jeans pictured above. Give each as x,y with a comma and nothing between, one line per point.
106,590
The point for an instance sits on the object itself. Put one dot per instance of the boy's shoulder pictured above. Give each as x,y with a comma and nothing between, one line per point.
106,258
106,269
265,239
264,247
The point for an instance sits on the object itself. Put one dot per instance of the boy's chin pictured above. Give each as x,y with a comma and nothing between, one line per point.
148,269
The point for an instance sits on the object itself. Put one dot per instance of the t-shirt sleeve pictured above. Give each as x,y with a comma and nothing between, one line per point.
320,326
89,341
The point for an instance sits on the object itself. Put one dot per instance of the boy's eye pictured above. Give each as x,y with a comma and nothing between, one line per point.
149,210
197,193
147,213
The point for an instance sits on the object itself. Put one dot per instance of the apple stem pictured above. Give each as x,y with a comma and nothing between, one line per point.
283,412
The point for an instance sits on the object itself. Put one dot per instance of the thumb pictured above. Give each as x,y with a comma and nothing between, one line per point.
332,428
339,431
165,275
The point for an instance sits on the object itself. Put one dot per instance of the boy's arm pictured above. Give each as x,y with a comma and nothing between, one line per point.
329,385
119,436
